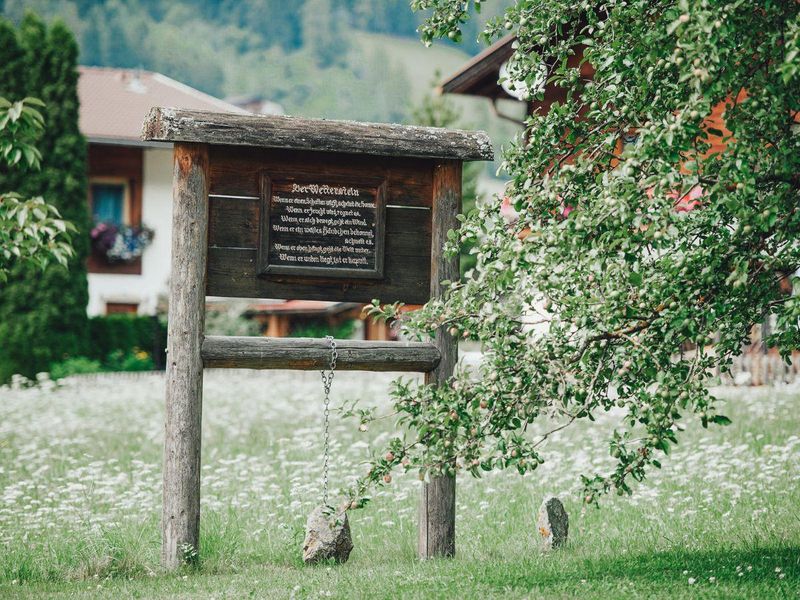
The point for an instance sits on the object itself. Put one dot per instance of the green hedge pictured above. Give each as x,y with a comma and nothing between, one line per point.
122,334
319,328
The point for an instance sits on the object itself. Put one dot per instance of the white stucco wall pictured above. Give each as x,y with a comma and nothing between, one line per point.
144,289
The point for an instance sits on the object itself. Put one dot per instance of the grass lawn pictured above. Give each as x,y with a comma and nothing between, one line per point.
80,501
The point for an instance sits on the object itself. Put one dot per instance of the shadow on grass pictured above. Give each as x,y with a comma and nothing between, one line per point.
757,564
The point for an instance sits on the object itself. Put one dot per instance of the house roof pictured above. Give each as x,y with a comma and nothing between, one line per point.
301,307
114,102
478,76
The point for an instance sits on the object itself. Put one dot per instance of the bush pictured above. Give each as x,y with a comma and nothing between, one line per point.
320,328
118,360
136,360
115,337
74,366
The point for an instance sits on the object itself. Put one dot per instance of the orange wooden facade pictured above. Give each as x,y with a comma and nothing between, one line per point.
110,162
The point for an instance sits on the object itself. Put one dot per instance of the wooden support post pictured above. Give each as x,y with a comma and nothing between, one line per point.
180,525
437,511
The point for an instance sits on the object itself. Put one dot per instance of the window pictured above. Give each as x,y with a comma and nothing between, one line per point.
110,201
115,197
114,308
629,139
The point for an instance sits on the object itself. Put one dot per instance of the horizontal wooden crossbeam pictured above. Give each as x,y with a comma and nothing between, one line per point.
240,352
320,135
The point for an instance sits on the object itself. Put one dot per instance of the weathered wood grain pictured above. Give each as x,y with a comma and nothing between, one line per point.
180,523
437,512
382,139
233,222
236,171
311,354
232,273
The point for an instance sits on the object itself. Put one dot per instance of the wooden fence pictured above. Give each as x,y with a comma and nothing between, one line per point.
757,368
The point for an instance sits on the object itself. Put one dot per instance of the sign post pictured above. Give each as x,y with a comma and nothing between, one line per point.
181,502
437,508
281,207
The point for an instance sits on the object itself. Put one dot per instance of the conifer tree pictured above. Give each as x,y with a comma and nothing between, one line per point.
43,313
12,59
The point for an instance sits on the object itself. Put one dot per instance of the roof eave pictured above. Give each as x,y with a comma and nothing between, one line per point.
478,77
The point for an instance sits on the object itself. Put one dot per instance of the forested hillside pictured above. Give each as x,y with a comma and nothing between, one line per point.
331,58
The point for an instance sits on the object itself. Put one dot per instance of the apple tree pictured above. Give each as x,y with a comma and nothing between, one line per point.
617,277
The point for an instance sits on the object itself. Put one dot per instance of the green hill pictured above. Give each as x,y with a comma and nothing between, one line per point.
347,59
420,66
419,63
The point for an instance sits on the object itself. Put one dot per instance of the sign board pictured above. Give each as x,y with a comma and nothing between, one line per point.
290,225
312,209
322,227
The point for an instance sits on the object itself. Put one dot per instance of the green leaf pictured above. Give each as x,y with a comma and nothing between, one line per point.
664,446
34,101
673,26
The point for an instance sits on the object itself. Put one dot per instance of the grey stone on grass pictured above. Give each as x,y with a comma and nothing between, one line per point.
327,536
553,523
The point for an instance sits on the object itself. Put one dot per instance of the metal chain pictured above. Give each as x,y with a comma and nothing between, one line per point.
327,381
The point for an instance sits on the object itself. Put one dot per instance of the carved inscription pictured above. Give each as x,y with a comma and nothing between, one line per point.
325,228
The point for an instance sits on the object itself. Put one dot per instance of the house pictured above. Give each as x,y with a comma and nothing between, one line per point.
130,185
481,76
130,200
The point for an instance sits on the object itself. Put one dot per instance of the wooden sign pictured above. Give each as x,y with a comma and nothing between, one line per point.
322,227
240,211
311,209
277,207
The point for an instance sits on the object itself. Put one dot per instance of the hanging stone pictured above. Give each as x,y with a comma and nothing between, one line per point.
553,523
327,536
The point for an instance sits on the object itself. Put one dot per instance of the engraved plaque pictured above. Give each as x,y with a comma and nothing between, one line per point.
322,227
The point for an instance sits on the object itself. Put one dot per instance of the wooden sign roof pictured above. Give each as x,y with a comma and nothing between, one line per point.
321,135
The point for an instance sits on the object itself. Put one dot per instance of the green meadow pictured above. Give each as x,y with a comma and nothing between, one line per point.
80,486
